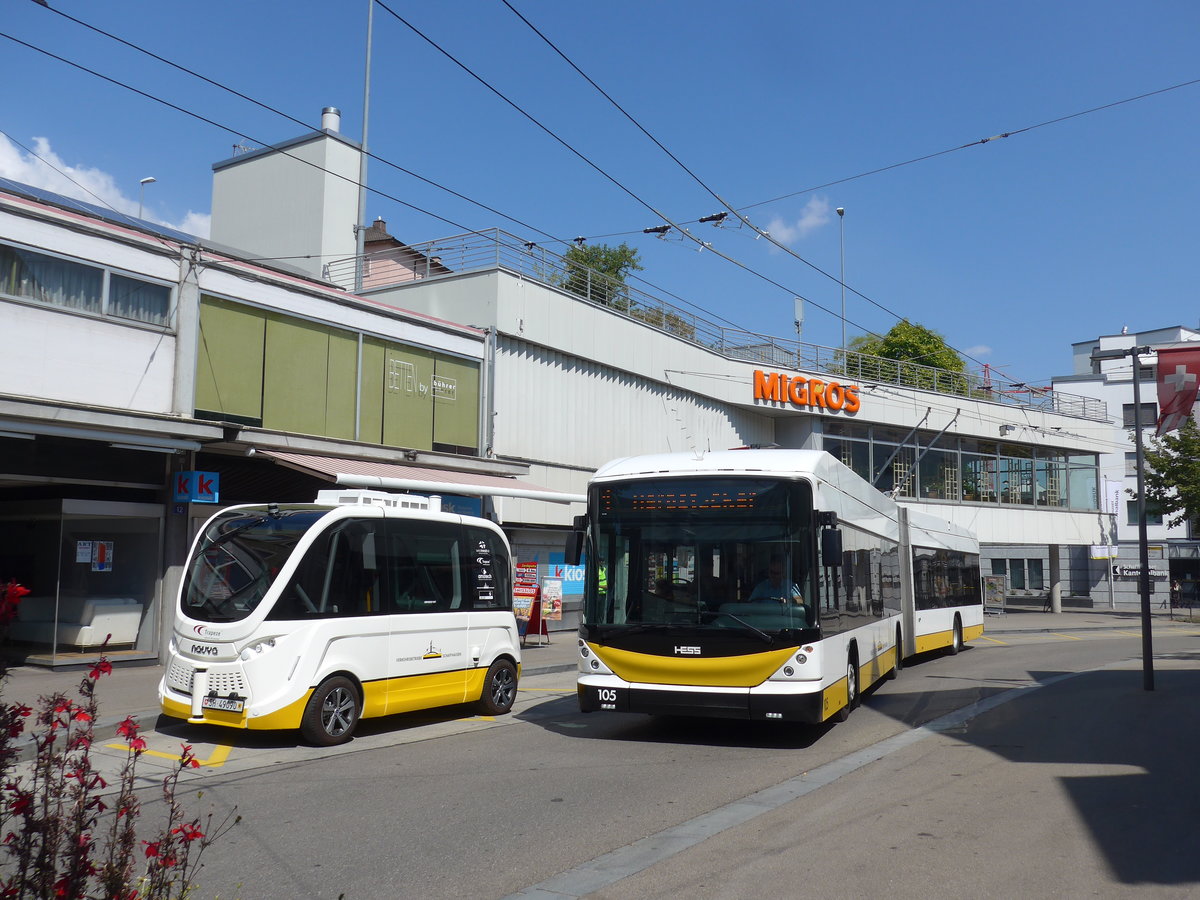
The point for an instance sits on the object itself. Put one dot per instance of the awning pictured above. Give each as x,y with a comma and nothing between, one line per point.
358,473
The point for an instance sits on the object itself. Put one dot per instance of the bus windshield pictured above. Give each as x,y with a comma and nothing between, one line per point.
239,555
702,552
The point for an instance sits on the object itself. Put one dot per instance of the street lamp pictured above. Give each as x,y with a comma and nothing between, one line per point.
842,243
1143,547
142,191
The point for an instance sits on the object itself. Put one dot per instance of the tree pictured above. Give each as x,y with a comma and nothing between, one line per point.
1172,474
916,352
597,272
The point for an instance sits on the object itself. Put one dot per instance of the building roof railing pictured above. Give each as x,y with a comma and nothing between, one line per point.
496,249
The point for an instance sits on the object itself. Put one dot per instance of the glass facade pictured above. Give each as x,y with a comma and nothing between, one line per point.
943,468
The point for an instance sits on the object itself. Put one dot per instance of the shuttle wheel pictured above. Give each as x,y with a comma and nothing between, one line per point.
332,712
499,689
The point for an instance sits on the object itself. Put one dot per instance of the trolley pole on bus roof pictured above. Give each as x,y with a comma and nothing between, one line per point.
1143,548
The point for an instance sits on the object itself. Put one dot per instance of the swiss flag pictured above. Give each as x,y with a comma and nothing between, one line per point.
1178,381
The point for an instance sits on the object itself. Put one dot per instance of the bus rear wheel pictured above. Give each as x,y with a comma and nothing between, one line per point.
331,713
956,639
499,689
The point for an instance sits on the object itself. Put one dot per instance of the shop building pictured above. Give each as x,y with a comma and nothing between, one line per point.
145,366
1174,552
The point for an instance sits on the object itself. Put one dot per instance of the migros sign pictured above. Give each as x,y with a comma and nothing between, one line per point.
810,392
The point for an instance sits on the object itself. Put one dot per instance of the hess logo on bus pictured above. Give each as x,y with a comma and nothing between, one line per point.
687,651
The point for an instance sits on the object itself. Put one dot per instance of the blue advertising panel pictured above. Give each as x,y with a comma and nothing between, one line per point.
196,487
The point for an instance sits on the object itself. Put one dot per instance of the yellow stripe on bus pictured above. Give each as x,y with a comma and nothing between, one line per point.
719,671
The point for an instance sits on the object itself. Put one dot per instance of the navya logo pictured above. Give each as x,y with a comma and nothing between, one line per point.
204,649
205,632
687,651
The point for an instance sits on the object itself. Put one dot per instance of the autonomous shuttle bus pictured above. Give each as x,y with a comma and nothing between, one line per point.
759,584
310,616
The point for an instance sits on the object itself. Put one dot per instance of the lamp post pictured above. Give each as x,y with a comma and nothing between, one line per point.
1143,547
142,191
842,279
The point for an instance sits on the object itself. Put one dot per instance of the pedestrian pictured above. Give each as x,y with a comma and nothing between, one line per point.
1176,593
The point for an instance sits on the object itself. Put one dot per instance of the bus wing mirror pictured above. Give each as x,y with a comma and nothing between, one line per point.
574,550
831,547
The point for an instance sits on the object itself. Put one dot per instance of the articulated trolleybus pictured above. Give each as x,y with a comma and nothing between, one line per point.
364,603
760,584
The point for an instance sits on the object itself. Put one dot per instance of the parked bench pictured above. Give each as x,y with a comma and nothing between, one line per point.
83,622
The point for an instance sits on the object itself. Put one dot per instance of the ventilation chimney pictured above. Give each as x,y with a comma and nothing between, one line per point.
379,225
331,118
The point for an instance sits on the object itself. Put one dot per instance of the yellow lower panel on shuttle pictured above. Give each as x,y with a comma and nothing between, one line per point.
718,671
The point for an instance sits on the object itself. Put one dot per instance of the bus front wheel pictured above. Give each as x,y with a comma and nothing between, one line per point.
851,691
331,713
499,689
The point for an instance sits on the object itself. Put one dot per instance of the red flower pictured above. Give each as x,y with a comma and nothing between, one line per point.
137,745
104,667
82,715
128,729
151,849
22,710
20,804
188,831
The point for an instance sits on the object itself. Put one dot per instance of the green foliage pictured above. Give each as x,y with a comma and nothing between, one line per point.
908,354
597,272
1172,473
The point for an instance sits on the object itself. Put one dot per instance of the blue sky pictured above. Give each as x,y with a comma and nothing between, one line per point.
1012,249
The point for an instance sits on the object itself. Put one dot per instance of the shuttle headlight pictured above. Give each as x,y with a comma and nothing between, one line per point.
256,649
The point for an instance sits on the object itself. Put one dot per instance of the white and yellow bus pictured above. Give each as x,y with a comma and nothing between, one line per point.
759,584
362,604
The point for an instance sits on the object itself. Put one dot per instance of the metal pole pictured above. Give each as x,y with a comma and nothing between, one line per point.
842,278
1143,547
359,233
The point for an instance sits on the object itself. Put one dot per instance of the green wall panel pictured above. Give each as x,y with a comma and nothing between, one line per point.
456,402
340,394
370,421
407,397
295,376
229,360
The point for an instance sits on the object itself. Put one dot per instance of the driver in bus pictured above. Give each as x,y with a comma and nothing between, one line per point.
775,586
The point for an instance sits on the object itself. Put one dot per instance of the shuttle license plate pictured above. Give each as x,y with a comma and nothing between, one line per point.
225,704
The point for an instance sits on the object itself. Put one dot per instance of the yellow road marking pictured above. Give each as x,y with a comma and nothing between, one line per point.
219,755
1131,633
994,641
1069,637
548,690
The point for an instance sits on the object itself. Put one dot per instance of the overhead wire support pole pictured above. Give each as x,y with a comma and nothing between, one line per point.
1143,547
360,226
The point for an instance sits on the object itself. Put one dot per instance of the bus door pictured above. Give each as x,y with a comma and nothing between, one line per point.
428,614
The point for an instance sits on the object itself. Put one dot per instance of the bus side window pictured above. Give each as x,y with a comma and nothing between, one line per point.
424,567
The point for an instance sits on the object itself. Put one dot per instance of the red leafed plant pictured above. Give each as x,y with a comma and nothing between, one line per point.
64,832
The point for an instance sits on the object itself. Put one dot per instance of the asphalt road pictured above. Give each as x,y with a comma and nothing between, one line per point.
1002,772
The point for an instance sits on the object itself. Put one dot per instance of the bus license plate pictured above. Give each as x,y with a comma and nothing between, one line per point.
225,704
606,698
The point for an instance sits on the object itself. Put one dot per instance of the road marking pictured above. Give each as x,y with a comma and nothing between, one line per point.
994,641
1069,637
609,868
219,755
1131,633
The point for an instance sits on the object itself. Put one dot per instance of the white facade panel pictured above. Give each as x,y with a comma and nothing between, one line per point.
56,356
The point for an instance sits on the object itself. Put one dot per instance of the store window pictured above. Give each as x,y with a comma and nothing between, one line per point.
1153,513
1036,580
28,275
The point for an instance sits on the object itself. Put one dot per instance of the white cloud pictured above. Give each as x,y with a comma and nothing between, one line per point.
43,168
813,216
978,350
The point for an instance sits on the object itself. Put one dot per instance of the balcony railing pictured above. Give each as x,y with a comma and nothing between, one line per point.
495,249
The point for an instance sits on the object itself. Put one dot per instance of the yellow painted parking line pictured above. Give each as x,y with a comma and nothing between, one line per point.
219,755
994,641
548,690
1131,633
1069,637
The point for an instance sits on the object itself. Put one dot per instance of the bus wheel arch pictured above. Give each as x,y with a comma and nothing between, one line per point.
333,711
499,687
852,685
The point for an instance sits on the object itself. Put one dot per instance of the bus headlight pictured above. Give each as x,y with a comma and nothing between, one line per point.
256,649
